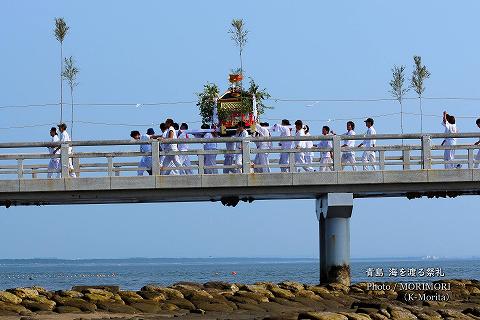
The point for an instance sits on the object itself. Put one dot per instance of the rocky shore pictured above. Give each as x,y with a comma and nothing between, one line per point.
456,299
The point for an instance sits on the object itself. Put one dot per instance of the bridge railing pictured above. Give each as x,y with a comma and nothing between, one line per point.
121,157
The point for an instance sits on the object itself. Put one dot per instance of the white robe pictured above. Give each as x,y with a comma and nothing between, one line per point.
449,154
54,166
299,154
65,137
325,156
210,160
171,161
184,158
284,157
369,156
238,146
348,157
261,159
145,163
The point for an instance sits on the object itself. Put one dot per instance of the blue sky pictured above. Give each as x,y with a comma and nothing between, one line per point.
133,52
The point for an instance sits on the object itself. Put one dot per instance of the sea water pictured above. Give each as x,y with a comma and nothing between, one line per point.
132,274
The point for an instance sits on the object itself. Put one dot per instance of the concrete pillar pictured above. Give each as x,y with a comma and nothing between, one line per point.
333,213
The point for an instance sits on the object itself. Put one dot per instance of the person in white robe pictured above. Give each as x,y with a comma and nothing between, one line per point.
309,155
348,157
261,163
210,160
325,156
54,163
65,137
477,157
241,133
299,146
450,127
170,161
184,158
369,155
285,131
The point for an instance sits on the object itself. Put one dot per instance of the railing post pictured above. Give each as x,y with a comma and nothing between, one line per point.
64,160
381,159
426,152
155,158
246,156
20,168
291,161
110,166
201,164
470,159
337,154
406,159
76,166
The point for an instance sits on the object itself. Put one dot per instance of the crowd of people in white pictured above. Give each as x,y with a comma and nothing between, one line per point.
232,162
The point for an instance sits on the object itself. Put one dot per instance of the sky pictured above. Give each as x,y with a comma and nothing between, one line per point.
140,52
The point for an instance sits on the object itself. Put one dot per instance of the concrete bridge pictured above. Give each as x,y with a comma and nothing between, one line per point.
409,165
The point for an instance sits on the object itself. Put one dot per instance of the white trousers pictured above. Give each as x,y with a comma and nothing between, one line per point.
262,160
327,160
54,168
477,157
300,159
449,155
368,156
349,158
171,162
285,161
210,160
185,161
145,164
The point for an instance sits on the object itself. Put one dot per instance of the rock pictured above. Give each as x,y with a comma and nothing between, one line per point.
398,313
6,313
115,307
450,313
366,310
375,304
9,297
281,293
356,316
152,295
146,306
44,305
257,297
315,304
5,306
223,286
319,290
195,285
475,311
67,309
473,290
169,293
75,302
192,292
251,307
99,292
241,300
168,306
112,289
307,294
291,286
198,311
322,316
338,287
96,298
220,307
259,289
24,293
69,294
378,316
130,296
182,303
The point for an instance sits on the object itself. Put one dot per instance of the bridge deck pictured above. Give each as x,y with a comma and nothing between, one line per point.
107,172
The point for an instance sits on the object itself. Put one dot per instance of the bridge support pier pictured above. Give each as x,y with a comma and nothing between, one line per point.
333,213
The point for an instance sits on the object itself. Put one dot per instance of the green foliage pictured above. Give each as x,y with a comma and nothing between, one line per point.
238,33
398,90
70,72
260,94
420,73
206,101
61,29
